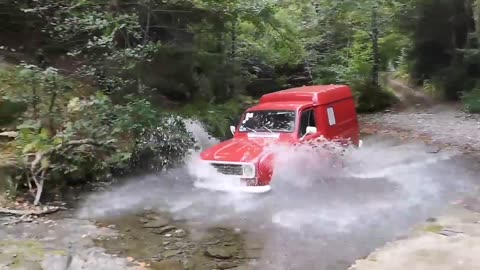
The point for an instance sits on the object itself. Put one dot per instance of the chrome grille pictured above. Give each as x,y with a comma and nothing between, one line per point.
228,169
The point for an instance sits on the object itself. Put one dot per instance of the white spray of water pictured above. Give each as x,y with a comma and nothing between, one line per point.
201,136
315,217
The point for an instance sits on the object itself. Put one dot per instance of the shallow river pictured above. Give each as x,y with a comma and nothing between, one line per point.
309,221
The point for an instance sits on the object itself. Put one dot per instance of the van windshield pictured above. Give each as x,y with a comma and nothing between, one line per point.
268,121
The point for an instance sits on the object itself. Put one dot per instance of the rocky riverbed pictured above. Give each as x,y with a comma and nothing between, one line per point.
158,240
148,240
56,244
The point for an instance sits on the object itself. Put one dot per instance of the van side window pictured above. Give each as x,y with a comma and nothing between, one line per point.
331,116
307,119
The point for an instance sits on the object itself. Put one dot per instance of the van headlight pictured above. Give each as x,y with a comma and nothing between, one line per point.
249,171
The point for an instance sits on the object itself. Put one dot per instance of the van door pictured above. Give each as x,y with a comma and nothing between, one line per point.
307,119
319,152
341,122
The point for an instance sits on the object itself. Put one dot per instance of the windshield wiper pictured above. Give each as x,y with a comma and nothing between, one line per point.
269,130
251,129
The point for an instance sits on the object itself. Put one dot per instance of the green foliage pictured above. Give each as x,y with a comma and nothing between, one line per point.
43,91
356,64
125,61
471,100
163,146
215,40
444,52
350,42
65,136
211,50
371,98
10,111
392,47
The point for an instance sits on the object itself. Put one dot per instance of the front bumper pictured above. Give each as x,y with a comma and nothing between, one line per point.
230,176
227,188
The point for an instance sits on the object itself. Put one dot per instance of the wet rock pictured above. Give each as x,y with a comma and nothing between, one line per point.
252,253
154,217
169,253
31,266
220,252
55,262
6,260
180,233
148,208
164,230
226,265
167,265
156,258
144,220
431,219
243,267
190,265
433,149
157,223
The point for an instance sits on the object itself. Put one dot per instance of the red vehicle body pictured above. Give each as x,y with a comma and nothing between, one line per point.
292,116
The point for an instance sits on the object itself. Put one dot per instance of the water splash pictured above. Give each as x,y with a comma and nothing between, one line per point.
315,217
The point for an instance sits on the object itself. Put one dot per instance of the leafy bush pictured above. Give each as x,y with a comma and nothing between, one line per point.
371,98
471,101
65,137
163,146
452,81
9,111
434,87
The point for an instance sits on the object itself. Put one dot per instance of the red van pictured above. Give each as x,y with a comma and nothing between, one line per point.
292,116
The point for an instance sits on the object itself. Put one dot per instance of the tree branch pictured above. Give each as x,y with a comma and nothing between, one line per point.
29,213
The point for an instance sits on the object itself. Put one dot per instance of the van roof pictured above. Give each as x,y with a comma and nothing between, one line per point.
280,106
315,94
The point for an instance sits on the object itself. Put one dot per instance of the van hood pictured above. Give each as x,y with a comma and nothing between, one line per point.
238,150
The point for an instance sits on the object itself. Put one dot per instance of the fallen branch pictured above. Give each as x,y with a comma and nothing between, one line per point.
29,213
19,220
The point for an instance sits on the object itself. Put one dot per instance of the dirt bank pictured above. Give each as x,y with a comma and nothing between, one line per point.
446,243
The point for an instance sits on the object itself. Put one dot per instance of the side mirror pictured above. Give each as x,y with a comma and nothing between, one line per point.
232,129
311,130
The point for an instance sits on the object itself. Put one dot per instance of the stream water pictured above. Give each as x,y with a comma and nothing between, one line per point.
310,220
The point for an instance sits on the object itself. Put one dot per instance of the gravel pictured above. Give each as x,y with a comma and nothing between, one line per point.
443,123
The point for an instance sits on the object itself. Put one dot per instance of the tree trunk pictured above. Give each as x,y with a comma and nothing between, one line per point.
221,85
53,98
35,102
39,183
476,18
234,40
375,46
233,55
113,5
38,195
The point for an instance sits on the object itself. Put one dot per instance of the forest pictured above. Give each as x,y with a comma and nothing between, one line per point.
93,89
